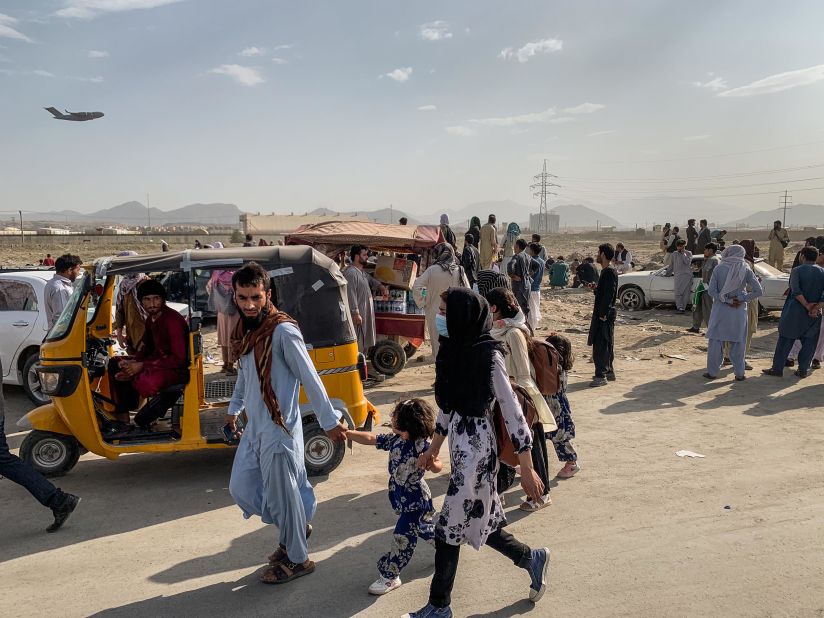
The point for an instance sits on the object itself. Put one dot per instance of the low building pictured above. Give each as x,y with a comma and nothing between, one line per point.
550,225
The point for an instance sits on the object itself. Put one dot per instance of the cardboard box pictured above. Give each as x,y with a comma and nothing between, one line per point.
396,271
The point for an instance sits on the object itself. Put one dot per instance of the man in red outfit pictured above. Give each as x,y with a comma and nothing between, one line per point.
160,363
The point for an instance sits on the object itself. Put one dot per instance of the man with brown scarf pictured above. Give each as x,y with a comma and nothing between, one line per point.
269,475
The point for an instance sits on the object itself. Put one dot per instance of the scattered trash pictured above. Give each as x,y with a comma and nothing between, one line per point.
579,331
631,358
208,491
689,454
728,507
676,356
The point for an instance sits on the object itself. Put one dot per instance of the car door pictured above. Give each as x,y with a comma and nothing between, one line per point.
19,311
661,287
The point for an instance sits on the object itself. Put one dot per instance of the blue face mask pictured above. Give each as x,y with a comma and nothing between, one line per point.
440,324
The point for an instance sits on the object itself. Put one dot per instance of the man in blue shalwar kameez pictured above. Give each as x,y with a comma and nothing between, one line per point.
269,476
801,315
728,319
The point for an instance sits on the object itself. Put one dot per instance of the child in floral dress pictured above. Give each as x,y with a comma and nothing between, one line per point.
413,423
559,404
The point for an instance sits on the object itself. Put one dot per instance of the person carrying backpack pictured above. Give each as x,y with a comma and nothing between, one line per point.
510,328
559,404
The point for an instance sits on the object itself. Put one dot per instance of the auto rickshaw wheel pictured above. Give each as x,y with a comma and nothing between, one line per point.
409,350
51,454
320,454
388,357
31,381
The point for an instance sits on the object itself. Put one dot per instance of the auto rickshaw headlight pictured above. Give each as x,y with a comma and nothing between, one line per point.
59,381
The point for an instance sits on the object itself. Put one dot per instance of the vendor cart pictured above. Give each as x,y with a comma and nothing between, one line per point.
401,330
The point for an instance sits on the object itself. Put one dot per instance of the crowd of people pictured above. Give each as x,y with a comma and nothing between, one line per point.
497,386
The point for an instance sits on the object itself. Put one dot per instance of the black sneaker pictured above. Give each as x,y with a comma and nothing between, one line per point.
611,376
62,512
789,363
694,330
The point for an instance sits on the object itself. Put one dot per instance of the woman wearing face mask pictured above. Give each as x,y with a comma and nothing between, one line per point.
469,376
444,273
510,328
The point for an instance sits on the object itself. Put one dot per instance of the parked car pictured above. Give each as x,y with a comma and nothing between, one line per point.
23,326
643,289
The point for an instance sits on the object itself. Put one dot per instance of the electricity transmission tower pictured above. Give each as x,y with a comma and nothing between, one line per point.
785,201
543,182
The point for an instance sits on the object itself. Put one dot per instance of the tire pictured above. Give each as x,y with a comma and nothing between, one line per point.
409,350
320,454
388,357
31,382
632,298
51,454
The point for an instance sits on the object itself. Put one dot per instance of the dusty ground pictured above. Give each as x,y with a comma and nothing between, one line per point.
639,532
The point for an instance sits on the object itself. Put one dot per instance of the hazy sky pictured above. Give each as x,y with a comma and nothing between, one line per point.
286,106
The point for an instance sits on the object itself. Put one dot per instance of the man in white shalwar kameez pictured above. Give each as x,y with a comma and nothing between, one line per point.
728,319
268,475
681,267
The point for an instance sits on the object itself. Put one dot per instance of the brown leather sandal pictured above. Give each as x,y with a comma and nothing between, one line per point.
285,571
280,553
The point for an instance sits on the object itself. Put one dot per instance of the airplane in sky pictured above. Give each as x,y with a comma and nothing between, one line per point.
77,116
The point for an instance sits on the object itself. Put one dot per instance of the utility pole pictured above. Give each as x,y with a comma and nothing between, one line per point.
785,200
148,216
543,182
22,238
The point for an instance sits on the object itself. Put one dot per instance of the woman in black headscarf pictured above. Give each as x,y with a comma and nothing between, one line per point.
469,376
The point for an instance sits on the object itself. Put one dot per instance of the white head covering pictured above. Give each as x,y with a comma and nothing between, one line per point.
733,256
217,245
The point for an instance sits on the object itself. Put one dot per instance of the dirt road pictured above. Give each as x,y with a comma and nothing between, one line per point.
639,532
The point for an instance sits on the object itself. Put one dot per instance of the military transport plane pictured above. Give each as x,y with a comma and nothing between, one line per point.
77,116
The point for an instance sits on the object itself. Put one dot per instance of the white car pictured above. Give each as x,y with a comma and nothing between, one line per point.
23,326
641,290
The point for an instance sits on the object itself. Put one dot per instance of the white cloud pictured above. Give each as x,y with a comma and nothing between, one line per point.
584,108
277,60
92,80
460,131
427,108
251,52
89,9
435,31
247,76
597,133
509,121
42,73
7,32
562,120
399,75
523,54
778,82
696,138
715,84
96,53
279,47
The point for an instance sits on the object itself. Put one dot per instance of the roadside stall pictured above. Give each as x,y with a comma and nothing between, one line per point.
399,323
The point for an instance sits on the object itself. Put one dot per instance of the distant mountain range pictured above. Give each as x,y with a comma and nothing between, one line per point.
800,214
135,213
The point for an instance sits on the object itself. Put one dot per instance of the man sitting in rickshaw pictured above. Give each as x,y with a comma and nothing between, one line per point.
161,361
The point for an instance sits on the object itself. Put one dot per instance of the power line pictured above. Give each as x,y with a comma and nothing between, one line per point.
691,178
693,196
712,156
717,188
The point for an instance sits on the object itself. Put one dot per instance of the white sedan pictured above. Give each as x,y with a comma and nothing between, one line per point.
641,290
23,326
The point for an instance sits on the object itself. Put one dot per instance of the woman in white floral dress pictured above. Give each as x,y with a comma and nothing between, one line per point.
469,376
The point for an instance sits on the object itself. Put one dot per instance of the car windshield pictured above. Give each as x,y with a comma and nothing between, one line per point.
765,270
66,319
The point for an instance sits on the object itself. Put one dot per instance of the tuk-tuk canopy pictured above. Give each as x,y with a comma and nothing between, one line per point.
305,283
332,237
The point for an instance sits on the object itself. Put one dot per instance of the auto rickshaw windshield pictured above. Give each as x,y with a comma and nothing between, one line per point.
64,323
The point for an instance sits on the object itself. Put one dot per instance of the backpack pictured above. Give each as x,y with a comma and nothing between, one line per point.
506,450
546,361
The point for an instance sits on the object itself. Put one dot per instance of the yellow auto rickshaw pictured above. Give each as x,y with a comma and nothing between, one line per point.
75,354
